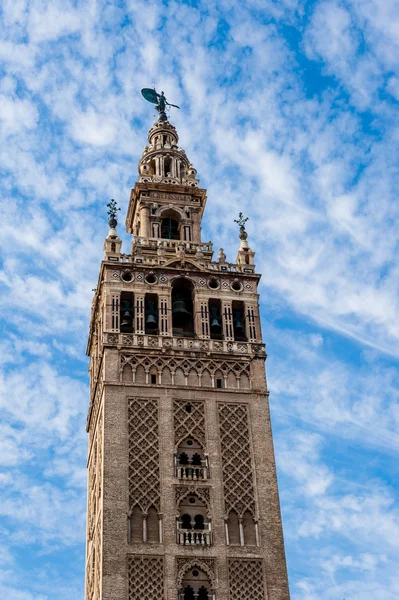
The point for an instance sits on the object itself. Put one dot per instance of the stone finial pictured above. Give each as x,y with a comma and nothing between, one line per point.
113,243
245,256
112,210
221,256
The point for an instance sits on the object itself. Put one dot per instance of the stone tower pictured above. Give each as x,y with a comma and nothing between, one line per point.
182,492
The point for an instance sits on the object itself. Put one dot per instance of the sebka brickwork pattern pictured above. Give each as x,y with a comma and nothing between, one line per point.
146,578
144,481
246,580
236,459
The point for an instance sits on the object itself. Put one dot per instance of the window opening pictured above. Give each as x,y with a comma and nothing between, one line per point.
203,593
186,521
196,460
153,378
168,167
183,458
219,383
189,593
199,522
170,229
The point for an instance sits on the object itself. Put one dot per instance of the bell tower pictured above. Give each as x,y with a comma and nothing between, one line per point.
182,491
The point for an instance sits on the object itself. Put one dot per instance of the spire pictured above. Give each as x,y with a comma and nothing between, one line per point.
113,243
162,160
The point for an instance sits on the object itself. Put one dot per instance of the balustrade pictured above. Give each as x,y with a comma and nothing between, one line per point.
196,596
194,537
192,472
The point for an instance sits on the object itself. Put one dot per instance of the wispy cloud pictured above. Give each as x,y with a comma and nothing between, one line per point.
288,113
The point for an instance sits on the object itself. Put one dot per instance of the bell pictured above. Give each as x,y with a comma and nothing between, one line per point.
126,319
151,321
216,326
180,313
238,325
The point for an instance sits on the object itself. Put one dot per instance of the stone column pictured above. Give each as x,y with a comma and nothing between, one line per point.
145,222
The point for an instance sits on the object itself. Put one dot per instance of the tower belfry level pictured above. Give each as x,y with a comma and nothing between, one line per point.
182,491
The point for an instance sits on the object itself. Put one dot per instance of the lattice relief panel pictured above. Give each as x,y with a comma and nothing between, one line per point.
144,479
146,578
93,558
246,581
236,459
189,421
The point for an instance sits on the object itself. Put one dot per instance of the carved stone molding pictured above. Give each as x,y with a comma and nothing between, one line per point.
207,565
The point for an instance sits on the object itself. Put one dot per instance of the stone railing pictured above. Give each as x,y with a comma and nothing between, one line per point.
160,259
170,245
196,596
193,537
165,343
192,472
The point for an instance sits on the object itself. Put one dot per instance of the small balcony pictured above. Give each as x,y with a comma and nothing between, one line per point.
188,472
195,533
191,464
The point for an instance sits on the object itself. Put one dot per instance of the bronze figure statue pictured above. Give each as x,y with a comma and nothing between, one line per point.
151,95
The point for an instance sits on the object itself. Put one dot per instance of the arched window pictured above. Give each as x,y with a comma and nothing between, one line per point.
186,521
152,526
203,593
136,525
249,529
167,165
191,463
196,460
189,593
199,522
193,525
183,458
233,529
195,585
170,229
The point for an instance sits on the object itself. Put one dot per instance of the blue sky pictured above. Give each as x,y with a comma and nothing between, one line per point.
289,112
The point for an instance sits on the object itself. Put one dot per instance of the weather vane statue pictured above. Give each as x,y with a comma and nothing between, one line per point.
112,210
241,222
151,95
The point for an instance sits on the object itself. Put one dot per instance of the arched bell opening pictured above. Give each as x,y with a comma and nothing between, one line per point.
126,312
196,586
193,525
182,308
190,461
151,314
239,321
170,225
215,319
